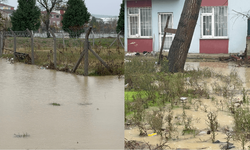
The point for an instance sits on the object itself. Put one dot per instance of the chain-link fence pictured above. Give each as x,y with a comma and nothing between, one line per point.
66,48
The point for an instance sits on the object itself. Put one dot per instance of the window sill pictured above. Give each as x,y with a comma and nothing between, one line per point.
215,38
147,37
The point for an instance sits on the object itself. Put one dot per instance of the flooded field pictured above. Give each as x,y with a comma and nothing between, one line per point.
88,112
199,115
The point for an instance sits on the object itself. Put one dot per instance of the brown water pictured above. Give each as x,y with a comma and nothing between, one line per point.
199,117
25,96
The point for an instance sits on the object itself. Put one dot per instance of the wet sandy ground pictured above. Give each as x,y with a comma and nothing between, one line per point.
201,140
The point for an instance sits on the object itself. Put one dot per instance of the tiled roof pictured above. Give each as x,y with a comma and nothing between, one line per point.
1,4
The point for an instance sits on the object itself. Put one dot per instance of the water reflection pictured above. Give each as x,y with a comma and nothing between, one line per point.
25,95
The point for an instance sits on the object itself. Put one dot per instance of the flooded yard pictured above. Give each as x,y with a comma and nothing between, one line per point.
90,114
196,112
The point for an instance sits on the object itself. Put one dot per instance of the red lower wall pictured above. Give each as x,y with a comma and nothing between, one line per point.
214,3
215,46
140,45
139,3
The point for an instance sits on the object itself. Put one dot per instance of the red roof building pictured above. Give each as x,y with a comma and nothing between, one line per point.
55,18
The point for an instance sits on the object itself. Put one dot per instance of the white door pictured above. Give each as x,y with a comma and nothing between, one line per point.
169,36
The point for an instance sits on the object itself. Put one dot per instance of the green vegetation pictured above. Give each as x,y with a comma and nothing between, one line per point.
67,56
120,22
152,93
75,17
27,16
55,104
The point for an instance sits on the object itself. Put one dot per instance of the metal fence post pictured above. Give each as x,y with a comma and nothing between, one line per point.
63,40
14,42
86,57
32,45
93,38
54,38
1,43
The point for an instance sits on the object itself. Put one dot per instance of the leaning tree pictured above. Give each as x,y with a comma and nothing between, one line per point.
179,49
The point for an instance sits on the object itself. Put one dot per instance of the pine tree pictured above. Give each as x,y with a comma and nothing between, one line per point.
120,22
26,16
75,17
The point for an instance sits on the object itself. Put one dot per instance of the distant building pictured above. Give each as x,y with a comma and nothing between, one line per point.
55,18
6,10
105,18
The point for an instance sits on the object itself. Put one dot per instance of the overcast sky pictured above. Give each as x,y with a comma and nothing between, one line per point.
100,7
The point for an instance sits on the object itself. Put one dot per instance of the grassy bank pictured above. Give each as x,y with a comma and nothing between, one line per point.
68,56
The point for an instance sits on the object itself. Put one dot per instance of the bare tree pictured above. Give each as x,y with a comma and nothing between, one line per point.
48,6
182,40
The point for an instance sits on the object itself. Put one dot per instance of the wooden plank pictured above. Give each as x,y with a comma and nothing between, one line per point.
170,30
163,40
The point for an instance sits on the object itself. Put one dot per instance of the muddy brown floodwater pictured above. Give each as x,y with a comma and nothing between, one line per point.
90,115
225,119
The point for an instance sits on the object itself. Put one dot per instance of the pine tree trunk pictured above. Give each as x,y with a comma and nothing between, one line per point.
182,40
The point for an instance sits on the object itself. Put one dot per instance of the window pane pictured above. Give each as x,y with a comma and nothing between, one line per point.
220,21
167,43
163,23
133,11
207,25
133,25
206,10
145,16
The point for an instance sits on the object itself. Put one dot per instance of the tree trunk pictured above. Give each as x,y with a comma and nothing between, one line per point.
182,40
47,25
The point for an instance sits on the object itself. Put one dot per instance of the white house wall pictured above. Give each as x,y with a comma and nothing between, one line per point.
237,25
237,28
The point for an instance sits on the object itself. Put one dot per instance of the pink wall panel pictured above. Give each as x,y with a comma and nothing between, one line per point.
215,46
139,3
214,3
140,45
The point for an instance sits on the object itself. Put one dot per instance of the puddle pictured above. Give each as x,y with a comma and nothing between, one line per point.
26,93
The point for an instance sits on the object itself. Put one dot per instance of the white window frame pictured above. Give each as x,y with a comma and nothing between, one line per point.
159,27
212,25
139,24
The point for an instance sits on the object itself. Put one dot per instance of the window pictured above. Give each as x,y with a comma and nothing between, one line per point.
214,22
52,16
57,16
139,22
169,36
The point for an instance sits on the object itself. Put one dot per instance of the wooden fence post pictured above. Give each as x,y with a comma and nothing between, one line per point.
54,37
1,43
83,53
14,41
32,45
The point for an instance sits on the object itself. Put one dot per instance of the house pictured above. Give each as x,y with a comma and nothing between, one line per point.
219,28
55,18
6,10
4,6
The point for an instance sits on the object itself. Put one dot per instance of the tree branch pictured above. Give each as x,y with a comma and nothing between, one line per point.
245,15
